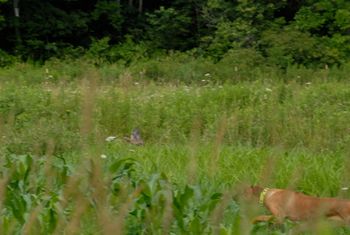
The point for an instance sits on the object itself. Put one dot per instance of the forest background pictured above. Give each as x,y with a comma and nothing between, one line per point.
310,33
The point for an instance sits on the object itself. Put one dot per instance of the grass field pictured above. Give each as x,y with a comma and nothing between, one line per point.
203,141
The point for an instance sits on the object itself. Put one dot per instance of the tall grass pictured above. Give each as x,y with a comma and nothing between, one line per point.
314,116
202,141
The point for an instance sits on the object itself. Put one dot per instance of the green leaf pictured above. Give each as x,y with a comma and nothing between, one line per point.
342,19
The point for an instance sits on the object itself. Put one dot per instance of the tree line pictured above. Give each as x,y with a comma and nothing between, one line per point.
306,32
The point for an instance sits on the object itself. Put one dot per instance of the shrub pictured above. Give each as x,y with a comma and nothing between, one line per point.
289,46
6,59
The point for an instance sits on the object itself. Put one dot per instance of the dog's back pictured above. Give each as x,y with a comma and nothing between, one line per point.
297,206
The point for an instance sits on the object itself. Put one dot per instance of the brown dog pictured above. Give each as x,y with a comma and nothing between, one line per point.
296,206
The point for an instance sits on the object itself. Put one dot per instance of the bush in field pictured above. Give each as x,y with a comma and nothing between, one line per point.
101,52
6,59
287,47
169,29
240,64
177,67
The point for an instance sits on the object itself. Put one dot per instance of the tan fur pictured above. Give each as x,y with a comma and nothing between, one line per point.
296,206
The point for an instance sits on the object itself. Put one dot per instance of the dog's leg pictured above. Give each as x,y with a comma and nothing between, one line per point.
278,214
336,218
340,219
262,218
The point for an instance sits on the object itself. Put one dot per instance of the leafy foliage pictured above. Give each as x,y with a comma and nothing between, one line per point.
107,19
210,28
169,29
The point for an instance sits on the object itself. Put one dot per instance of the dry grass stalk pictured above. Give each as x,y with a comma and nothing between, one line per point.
115,226
168,211
217,144
89,89
70,193
3,185
73,226
31,222
218,213
194,144
267,171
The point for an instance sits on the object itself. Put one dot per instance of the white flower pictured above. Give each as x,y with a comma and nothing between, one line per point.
103,156
268,89
136,83
110,138
207,75
203,80
345,188
308,83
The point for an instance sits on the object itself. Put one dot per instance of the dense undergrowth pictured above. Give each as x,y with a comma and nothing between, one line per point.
239,65
207,130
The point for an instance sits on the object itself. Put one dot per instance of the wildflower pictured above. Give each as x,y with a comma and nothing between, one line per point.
207,75
308,83
345,188
136,83
48,76
103,156
110,138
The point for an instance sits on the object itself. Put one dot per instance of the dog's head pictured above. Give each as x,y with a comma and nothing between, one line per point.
252,192
248,193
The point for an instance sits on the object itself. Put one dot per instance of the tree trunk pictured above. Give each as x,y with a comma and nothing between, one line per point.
16,22
140,6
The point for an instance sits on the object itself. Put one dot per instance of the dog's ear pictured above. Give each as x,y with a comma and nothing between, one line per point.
256,190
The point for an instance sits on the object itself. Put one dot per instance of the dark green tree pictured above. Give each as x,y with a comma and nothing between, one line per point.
169,29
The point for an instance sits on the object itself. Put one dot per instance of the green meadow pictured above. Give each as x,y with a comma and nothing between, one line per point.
208,130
